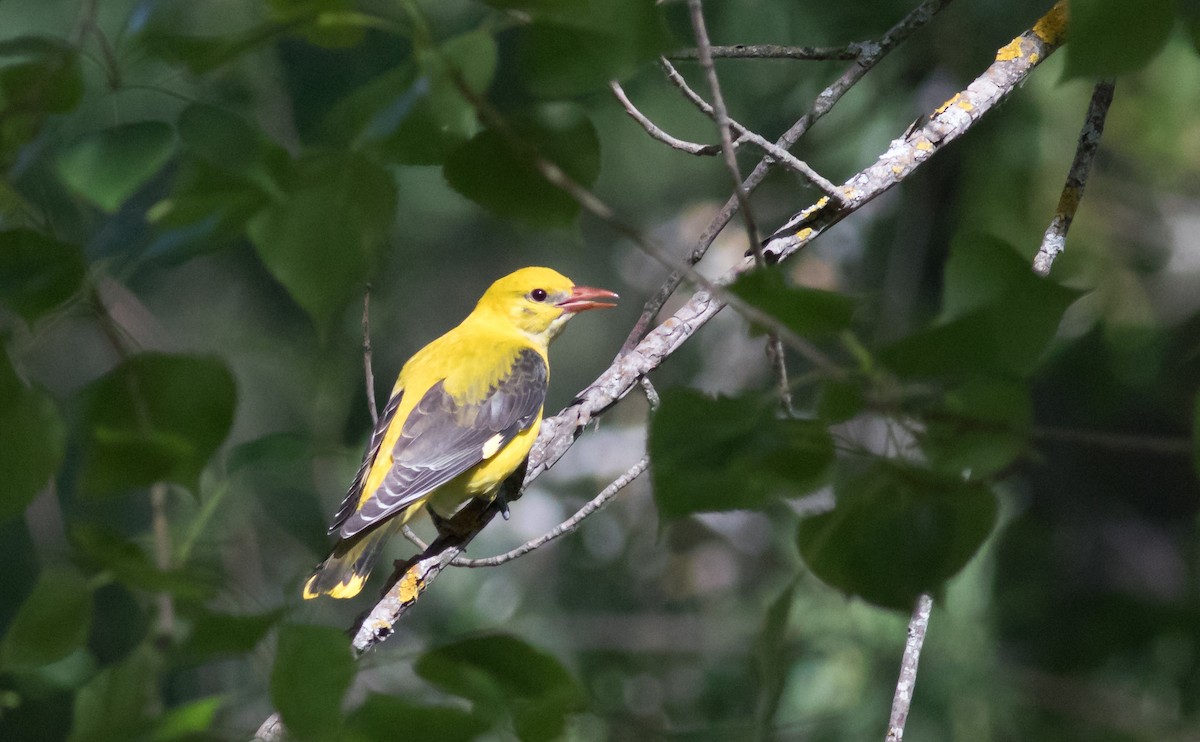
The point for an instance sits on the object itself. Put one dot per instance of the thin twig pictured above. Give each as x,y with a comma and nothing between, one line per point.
775,51
1055,239
162,559
1161,445
871,54
567,526
917,626
720,113
721,116
778,153
779,363
692,148
651,393
367,372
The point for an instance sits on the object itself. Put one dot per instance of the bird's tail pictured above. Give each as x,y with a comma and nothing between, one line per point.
342,575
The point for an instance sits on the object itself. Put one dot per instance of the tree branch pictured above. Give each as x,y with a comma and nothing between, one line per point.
870,56
917,626
1055,239
776,152
691,148
775,51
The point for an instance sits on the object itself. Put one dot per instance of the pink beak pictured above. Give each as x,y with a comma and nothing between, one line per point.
585,297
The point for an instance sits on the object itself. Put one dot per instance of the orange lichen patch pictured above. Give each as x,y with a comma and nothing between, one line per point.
925,145
804,234
849,192
410,587
1011,50
897,170
1052,27
966,105
942,108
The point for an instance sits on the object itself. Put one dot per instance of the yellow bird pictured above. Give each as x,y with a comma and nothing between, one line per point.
461,418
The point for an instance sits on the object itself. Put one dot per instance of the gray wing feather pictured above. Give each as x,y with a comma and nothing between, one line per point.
441,439
350,502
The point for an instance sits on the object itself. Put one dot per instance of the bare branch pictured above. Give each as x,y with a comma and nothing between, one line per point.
691,148
779,363
370,375
161,527
1160,445
568,525
775,51
778,153
721,116
1055,239
1013,63
872,53
917,626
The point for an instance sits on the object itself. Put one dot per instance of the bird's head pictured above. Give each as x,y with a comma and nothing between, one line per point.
539,301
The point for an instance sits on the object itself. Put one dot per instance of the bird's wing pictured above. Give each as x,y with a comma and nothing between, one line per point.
442,438
354,494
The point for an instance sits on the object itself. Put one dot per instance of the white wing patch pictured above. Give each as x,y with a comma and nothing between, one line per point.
492,445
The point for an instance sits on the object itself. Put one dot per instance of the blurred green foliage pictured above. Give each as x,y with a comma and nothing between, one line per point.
195,195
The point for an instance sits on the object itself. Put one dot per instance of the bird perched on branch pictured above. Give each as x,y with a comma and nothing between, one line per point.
461,418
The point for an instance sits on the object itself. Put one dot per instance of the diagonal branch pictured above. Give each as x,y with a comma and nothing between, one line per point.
902,700
1055,239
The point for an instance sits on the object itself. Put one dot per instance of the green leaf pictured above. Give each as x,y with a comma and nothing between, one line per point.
709,455
118,703
186,721
154,418
32,441
39,74
773,660
487,170
429,117
120,622
981,428
998,316
226,142
216,634
322,241
312,672
381,716
839,401
1112,37
37,273
896,532
501,672
807,312
52,623
272,469
106,167
110,550
576,48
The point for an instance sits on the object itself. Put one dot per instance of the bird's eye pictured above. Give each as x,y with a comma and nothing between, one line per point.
538,294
